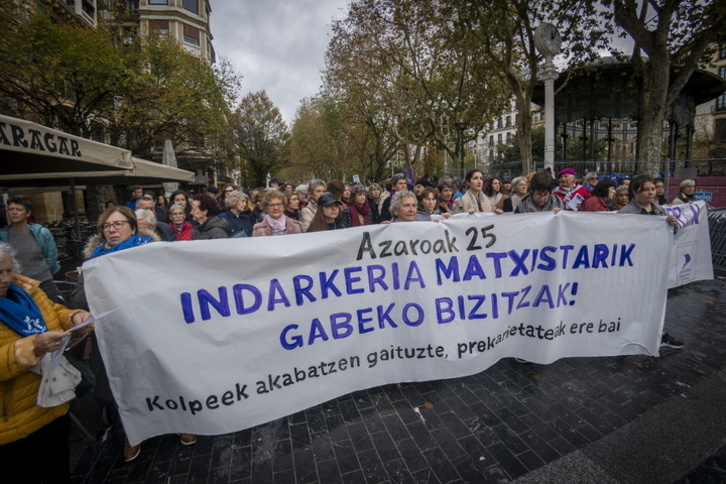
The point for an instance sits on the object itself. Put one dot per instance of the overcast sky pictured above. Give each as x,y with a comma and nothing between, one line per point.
276,45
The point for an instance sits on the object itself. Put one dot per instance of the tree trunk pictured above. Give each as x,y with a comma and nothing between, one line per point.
654,91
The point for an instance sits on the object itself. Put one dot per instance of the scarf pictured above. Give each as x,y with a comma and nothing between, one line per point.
279,226
566,193
20,313
133,241
360,215
184,232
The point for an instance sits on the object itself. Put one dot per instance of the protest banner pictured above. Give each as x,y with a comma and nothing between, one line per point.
691,254
216,336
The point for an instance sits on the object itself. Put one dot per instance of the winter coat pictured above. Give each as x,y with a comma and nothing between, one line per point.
263,229
527,205
45,241
467,201
212,228
18,386
239,225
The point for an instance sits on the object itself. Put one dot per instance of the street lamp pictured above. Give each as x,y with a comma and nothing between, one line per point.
548,41
462,126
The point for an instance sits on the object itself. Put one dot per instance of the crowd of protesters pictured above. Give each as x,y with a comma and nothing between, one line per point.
28,252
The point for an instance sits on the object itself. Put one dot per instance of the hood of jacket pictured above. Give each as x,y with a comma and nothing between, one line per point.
97,239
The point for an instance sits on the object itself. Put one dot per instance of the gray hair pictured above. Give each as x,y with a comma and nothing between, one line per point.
301,189
177,206
518,179
233,198
143,199
316,183
687,183
7,251
146,215
397,199
591,174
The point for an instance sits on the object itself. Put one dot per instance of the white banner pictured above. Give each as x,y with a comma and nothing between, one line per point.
691,255
217,336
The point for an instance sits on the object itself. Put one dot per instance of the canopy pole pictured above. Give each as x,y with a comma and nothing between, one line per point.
74,209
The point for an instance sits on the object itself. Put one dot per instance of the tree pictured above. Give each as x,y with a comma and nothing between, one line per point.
60,75
671,38
261,137
404,67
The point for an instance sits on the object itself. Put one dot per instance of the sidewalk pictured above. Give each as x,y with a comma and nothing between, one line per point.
596,420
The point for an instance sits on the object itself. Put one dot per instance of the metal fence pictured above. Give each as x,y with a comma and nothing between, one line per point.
717,231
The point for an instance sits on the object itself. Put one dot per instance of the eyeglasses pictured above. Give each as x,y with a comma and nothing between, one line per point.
541,194
274,205
176,214
118,225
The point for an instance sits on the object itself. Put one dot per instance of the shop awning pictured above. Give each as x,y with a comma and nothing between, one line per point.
27,148
141,172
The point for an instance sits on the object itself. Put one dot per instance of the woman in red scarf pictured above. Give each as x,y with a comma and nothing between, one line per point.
360,210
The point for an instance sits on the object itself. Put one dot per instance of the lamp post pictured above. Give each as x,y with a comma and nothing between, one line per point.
548,42
462,126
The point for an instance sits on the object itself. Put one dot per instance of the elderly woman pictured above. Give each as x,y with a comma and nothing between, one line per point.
601,198
206,224
520,185
274,221
474,199
33,439
179,225
239,222
686,188
180,197
329,215
569,191
540,197
404,206
622,197
147,220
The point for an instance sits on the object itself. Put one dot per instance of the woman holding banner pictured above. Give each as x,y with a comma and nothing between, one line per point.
274,221
540,197
117,230
33,438
642,194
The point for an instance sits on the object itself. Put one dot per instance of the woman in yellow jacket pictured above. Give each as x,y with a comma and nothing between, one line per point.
32,438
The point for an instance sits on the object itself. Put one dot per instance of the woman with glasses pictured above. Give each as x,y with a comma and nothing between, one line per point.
274,221
540,197
117,230
178,223
180,197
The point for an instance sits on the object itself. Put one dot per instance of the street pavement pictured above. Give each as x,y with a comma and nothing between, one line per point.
630,419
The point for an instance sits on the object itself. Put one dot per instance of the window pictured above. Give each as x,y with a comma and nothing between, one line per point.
509,121
499,123
191,35
722,52
160,26
158,2
721,100
499,138
491,140
509,138
192,6
720,129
